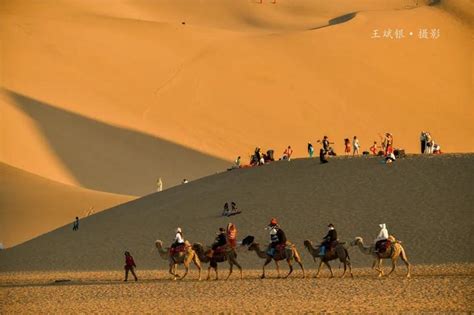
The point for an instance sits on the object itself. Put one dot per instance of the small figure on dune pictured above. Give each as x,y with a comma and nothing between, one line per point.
75,226
374,148
159,184
355,146
237,162
347,146
423,142
288,153
185,181
129,266
310,150
226,211
323,156
390,158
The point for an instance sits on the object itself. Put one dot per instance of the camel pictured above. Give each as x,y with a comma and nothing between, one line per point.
184,258
229,255
339,252
393,253
288,254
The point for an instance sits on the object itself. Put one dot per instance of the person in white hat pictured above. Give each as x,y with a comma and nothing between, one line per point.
382,237
178,239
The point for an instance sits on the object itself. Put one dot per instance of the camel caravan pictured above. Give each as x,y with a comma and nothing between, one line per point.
224,249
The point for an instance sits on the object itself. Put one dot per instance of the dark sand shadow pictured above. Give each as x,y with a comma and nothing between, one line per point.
337,20
113,159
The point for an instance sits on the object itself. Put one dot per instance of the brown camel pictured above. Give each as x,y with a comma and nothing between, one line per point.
339,252
288,254
396,250
229,255
185,258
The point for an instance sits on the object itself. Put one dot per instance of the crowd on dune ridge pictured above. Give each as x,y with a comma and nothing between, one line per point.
385,149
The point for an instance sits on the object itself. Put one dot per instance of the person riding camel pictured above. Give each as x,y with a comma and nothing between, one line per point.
277,237
178,239
381,238
328,240
221,240
232,235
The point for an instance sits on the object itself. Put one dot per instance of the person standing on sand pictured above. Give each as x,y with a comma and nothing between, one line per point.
355,146
423,141
310,150
237,162
288,152
347,146
373,148
129,266
75,226
159,184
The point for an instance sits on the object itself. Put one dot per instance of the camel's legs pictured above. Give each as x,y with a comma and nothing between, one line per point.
186,270
198,265
394,265
350,268
217,273
172,270
404,258
231,267
266,263
278,268
290,266
233,262
298,260
319,268
379,267
208,273
330,269
345,269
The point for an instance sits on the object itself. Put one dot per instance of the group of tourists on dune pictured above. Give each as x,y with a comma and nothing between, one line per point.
225,247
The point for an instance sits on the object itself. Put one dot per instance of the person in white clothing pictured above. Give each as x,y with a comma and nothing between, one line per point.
159,184
381,238
178,239
355,146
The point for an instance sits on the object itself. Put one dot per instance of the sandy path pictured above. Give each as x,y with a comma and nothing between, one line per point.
433,288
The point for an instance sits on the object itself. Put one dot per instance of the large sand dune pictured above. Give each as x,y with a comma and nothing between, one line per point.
425,201
235,75
31,205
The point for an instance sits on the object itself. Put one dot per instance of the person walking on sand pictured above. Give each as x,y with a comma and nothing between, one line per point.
129,266
355,146
75,226
347,146
159,184
310,150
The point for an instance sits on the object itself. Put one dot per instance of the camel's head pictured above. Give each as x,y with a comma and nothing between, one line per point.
253,246
307,243
197,247
158,244
357,240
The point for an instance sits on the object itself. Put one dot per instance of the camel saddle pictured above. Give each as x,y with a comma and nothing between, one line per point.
177,249
382,246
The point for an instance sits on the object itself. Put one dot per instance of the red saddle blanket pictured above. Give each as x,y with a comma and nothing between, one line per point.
177,249
383,245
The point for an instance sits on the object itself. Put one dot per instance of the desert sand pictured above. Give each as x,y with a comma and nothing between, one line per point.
31,205
442,288
187,86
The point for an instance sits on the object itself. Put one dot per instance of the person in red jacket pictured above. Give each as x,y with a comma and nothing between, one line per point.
129,266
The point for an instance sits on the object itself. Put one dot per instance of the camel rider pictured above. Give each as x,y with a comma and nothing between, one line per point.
178,239
221,240
381,238
330,237
277,236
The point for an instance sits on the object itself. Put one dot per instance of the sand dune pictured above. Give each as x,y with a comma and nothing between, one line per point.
425,201
237,74
31,205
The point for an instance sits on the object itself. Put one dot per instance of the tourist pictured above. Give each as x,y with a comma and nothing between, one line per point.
347,146
237,162
185,181
429,143
310,150
232,235
423,142
355,146
226,209
382,237
75,226
178,239
388,143
390,158
159,184
129,266
323,156
373,148
330,237
287,154
277,237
